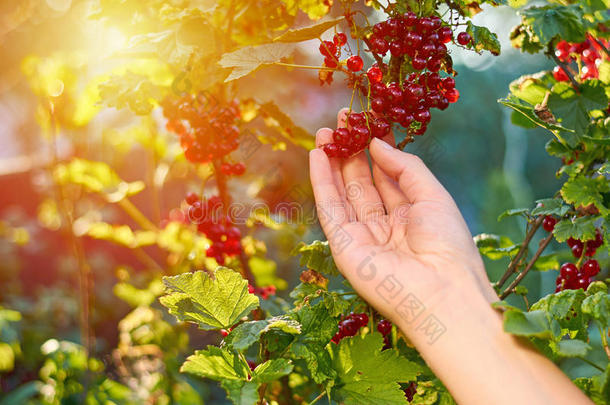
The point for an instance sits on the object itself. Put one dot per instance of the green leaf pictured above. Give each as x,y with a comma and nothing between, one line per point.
550,206
547,262
600,387
514,212
246,60
265,272
335,304
494,246
582,228
307,33
317,329
524,38
247,333
368,375
272,370
483,39
582,191
564,307
572,108
530,324
210,303
241,392
570,348
554,21
216,364
598,307
316,256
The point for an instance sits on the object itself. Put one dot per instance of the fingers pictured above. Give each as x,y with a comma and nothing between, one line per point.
359,187
393,198
414,178
330,205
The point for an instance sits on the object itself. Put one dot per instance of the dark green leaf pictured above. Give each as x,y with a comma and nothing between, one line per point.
582,228
316,256
554,21
531,324
247,333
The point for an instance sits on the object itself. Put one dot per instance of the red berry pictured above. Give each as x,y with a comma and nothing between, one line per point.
328,49
331,150
378,105
340,39
452,95
330,62
384,327
548,223
464,38
409,18
568,271
577,250
560,75
341,136
590,268
374,74
448,83
379,46
239,169
362,319
571,242
582,283
445,34
349,327
422,116
224,332
192,198
355,63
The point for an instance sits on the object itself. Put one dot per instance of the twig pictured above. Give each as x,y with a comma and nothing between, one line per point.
319,397
408,139
589,362
137,215
514,263
545,242
606,51
563,66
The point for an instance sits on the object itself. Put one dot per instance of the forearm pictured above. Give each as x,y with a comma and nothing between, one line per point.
480,363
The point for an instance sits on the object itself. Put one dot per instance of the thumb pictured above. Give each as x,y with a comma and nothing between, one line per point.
414,179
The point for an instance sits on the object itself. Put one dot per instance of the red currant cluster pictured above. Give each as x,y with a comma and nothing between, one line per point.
587,54
263,292
570,276
361,128
422,39
350,325
331,50
207,214
206,131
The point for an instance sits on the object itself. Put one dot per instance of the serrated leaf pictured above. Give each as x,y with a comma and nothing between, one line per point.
216,364
550,206
554,21
317,328
483,39
598,307
570,348
316,256
572,108
246,60
564,307
582,191
368,375
600,387
335,304
531,324
210,303
307,33
247,333
582,228
241,392
131,90
272,370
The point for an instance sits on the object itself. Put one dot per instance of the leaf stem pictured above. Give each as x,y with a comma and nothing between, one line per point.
137,215
515,261
545,242
319,397
589,362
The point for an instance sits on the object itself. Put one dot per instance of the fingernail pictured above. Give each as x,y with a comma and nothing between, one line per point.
383,144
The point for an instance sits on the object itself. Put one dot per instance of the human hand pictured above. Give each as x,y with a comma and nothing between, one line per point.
395,230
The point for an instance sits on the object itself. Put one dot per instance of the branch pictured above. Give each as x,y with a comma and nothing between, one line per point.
563,66
514,263
545,242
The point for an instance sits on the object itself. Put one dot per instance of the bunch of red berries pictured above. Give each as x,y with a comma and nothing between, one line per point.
207,130
263,292
385,327
410,391
350,325
331,50
587,54
361,128
570,276
422,39
207,214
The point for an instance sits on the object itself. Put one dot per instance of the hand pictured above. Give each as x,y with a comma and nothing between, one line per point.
398,237
399,223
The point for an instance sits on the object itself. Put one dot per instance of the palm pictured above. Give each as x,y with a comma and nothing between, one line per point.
387,221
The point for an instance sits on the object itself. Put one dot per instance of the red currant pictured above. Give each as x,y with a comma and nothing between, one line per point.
464,38
355,63
340,39
548,223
